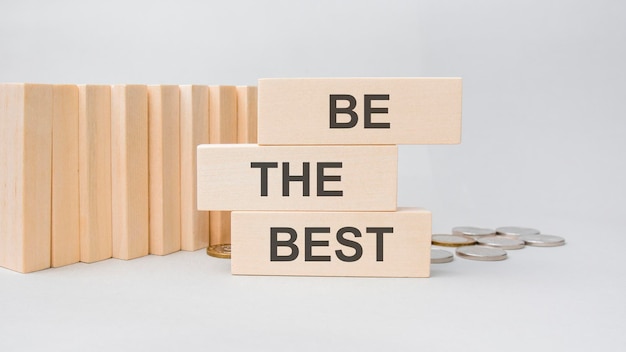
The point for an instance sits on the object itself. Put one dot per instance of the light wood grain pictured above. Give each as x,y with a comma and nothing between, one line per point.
227,180
25,181
194,130
94,170
419,111
65,198
247,114
392,244
223,121
164,152
129,170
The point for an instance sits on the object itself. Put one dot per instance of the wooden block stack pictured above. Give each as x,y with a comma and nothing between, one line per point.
317,195
93,172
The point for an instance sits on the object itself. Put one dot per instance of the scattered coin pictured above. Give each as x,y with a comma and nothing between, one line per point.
472,231
438,256
501,242
542,240
219,251
481,253
452,240
515,231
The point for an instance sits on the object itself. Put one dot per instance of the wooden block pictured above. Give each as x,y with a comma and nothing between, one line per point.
388,244
65,204
360,111
194,130
222,114
94,171
250,177
246,114
223,121
25,179
129,170
164,164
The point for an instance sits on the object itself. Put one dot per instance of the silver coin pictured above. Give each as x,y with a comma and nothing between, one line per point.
542,240
438,256
481,253
515,231
501,242
472,231
452,240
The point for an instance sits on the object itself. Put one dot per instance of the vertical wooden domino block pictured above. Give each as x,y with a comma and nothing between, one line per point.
164,164
246,114
94,171
222,130
129,170
194,130
25,187
65,204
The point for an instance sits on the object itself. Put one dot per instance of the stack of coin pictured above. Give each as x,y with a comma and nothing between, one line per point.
491,243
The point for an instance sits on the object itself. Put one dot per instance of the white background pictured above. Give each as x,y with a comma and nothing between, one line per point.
543,146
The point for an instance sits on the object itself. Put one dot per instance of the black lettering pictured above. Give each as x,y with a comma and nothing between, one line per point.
264,167
334,110
275,243
379,231
290,178
309,244
321,178
349,243
368,110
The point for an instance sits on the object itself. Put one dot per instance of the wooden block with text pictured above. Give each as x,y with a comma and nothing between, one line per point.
359,111
380,244
65,242
164,164
247,114
25,179
94,171
252,177
222,130
129,170
194,130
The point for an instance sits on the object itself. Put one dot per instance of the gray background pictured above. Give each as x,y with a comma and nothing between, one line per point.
543,125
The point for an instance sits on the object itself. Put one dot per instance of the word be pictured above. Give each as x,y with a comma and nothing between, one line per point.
368,110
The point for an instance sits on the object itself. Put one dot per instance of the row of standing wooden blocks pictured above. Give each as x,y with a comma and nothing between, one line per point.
95,171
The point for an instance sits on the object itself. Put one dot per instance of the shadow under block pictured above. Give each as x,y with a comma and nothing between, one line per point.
246,114
381,244
25,179
223,122
359,111
94,171
194,130
65,206
164,165
129,170
252,177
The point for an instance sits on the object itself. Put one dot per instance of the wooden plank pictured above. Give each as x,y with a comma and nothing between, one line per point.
194,130
223,122
65,198
381,244
25,181
401,111
247,114
94,171
251,177
164,164
129,170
